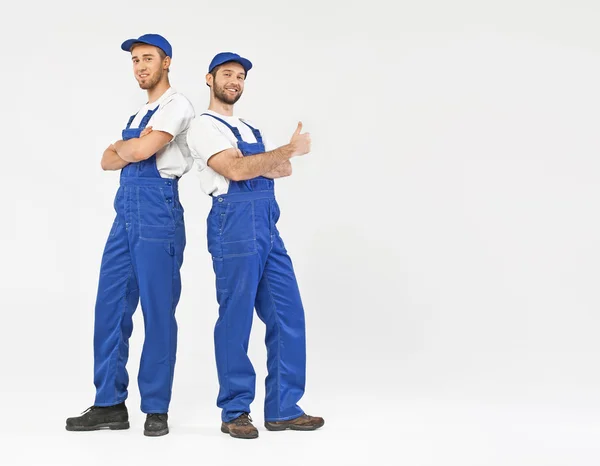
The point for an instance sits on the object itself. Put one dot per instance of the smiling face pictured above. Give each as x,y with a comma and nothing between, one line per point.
227,82
150,65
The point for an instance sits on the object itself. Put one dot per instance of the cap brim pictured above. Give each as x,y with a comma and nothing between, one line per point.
247,64
129,43
126,46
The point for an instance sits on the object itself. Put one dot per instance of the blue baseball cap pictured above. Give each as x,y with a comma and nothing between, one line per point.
226,57
150,39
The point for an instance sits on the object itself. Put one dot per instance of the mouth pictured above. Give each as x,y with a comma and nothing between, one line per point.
232,91
143,76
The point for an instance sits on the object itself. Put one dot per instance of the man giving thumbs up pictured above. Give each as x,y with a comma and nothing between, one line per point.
253,270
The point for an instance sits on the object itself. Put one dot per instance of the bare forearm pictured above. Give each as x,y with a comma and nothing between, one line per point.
111,160
128,150
246,168
144,147
283,170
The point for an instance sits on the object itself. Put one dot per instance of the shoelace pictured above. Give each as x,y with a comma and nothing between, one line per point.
91,408
304,418
243,420
160,417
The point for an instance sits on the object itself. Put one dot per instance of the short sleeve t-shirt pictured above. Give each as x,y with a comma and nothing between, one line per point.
207,137
174,116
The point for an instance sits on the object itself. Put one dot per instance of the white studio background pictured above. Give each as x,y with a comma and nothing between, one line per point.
445,229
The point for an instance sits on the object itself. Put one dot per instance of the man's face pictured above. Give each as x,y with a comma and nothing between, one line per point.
148,67
228,85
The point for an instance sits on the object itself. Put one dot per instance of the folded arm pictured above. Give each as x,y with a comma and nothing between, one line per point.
233,165
283,170
138,149
111,160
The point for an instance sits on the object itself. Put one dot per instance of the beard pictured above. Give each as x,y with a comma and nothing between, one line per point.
222,95
151,81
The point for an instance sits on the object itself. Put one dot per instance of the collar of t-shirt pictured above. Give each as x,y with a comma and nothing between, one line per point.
245,131
152,105
232,120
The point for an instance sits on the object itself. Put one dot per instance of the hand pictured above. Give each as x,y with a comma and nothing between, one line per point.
147,130
300,142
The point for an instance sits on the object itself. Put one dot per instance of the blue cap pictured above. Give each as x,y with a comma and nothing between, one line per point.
150,39
226,57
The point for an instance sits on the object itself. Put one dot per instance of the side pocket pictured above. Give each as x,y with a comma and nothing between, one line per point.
276,212
169,203
223,211
220,279
169,247
213,236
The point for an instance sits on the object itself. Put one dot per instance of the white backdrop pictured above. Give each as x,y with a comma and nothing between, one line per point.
445,228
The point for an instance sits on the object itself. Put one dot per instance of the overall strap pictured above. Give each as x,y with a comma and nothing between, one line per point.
233,129
255,131
147,117
131,118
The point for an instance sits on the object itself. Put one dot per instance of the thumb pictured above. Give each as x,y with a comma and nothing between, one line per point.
298,129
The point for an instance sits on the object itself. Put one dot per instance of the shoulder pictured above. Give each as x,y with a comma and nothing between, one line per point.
204,124
204,120
208,121
178,101
179,98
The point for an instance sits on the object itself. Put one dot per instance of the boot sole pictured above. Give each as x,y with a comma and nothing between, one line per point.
106,425
158,433
226,431
279,428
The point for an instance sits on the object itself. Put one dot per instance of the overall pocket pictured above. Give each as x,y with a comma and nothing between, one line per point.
155,212
237,231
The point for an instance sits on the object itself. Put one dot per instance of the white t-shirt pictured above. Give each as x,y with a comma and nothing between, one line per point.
174,115
207,137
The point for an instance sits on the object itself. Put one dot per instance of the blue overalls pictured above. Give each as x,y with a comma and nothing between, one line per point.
253,270
141,260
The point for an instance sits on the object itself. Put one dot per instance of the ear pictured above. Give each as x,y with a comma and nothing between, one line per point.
209,80
166,63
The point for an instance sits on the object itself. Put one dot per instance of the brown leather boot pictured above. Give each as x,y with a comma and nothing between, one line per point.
240,427
304,422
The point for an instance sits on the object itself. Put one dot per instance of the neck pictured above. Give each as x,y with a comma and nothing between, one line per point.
158,90
220,107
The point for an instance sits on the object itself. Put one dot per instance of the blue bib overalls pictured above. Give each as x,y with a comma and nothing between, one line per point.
253,270
141,261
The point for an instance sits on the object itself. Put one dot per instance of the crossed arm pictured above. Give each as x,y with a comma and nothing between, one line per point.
281,171
233,165
122,153
230,163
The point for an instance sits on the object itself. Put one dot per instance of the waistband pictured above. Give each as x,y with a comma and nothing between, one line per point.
148,181
244,196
